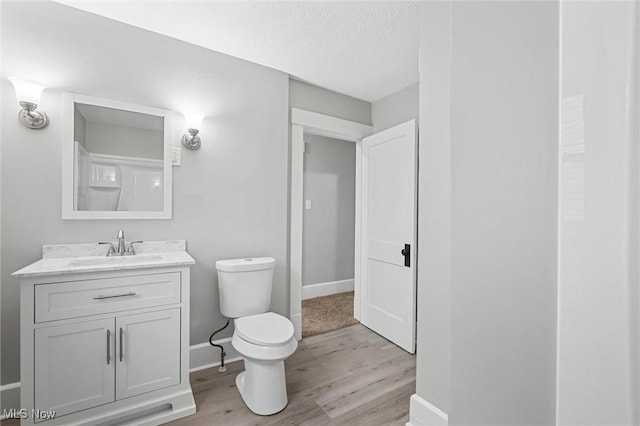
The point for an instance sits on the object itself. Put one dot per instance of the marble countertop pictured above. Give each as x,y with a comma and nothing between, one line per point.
83,258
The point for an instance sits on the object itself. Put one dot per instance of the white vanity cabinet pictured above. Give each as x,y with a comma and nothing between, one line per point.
115,357
106,347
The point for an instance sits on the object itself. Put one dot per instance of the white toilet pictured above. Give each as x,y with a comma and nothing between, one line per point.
263,338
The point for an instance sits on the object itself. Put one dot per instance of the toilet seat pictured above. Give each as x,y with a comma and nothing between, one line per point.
267,329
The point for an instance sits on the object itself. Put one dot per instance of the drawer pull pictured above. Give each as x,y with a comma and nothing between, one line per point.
100,297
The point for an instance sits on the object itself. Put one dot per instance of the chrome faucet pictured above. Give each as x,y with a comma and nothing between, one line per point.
121,251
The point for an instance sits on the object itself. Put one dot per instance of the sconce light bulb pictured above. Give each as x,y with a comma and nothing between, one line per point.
193,120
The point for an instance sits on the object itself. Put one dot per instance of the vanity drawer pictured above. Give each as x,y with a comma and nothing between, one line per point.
81,298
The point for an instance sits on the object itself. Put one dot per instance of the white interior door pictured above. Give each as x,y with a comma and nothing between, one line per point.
388,253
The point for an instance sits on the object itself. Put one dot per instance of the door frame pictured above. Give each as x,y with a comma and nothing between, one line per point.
303,121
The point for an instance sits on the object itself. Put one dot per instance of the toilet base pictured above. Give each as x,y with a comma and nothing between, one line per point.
262,387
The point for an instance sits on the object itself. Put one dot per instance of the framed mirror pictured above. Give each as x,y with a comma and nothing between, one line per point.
116,160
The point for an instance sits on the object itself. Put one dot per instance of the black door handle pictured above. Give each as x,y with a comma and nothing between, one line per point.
406,252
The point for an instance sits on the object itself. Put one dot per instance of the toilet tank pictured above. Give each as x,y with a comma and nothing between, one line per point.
244,286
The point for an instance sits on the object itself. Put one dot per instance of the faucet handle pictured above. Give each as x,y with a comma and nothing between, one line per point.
130,250
112,249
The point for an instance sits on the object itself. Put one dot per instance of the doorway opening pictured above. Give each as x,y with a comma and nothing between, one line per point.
328,245
384,269
310,123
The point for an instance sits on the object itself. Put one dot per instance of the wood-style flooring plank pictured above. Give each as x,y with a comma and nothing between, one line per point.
391,408
350,376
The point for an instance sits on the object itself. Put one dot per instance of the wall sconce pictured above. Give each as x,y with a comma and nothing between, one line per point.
191,139
28,93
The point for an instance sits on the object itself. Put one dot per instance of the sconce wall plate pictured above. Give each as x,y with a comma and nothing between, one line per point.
191,139
32,118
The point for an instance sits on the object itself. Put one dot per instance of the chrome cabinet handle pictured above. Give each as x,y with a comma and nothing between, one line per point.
121,341
100,297
108,347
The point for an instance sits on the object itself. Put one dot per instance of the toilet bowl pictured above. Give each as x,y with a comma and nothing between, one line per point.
264,339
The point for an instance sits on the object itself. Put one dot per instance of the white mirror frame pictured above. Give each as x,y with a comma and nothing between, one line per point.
68,163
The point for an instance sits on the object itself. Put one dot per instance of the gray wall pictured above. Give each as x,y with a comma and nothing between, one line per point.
103,138
504,157
229,197
329,227
434,209
396,108
323,101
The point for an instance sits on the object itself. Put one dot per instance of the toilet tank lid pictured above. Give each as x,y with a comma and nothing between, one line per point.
247,264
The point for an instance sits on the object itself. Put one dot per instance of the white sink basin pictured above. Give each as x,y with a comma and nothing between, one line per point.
115,260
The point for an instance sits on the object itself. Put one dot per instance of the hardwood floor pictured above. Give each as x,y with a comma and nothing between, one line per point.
349,376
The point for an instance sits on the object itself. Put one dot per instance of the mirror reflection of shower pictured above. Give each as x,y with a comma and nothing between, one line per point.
117,183
118,160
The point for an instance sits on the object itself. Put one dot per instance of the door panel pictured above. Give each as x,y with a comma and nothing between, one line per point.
388,302
147,352
76,350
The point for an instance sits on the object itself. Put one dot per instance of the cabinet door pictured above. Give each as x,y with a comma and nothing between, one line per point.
147,352
74,366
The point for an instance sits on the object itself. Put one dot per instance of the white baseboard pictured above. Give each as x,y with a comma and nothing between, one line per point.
326,289
204,355
423,413
9,398
201,356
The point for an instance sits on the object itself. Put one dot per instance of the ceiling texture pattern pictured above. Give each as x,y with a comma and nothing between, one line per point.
364,49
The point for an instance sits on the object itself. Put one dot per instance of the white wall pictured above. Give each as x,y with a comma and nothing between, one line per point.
598,281
328,241
434,209
504,138
396,108
229,197
507,88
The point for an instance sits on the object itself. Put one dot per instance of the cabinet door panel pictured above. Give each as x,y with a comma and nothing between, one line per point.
74,366
147,352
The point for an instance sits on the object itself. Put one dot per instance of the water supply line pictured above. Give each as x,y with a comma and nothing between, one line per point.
222,368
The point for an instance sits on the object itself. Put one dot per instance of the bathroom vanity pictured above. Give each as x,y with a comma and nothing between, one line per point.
106,339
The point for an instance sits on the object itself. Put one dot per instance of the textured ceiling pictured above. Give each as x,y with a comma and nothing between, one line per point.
364,49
